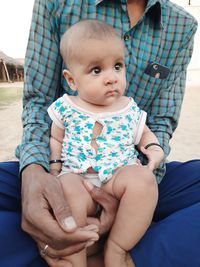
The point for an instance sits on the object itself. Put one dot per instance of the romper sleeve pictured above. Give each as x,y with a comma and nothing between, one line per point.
140,120
56,112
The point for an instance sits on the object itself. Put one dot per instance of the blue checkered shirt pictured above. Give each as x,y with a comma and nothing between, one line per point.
164,35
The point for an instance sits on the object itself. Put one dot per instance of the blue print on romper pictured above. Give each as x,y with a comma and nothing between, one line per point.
116,118
98,157
82,116
82,157
69,149
116,138
97,168
89,125
77,139
128,117
74,111
114,154
77,129
133,107
87,139
109,130
61,109
125,162
100,138
123,127
105,172
58,104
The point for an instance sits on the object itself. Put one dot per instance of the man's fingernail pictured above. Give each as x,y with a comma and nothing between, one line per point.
89,185
88,244
95,238
69,223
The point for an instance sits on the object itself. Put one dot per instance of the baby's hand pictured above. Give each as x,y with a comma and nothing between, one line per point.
154,155
138,162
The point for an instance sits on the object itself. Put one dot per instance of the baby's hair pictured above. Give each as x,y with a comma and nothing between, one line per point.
83,30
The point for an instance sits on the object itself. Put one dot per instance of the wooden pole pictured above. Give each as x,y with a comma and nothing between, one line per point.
6,70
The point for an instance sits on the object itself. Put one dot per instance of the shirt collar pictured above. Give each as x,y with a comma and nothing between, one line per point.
97,2
153,8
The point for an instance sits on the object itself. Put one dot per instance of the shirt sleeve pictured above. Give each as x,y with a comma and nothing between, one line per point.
42,78
166,107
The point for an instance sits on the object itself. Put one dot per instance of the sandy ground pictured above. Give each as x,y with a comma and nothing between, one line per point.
10,125
185,143
10,134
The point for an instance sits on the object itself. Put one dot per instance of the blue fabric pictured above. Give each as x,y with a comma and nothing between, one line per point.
172,241
17,249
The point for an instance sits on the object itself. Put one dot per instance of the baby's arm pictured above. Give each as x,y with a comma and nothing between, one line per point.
153,153
56,139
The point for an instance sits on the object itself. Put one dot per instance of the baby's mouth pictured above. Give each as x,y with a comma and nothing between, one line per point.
112,92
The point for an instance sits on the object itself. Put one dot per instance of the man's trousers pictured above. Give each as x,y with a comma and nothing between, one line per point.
173,240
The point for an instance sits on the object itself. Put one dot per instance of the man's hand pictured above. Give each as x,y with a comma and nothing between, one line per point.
109,206
46,215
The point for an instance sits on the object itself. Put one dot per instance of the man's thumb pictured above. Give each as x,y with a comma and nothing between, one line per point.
69,224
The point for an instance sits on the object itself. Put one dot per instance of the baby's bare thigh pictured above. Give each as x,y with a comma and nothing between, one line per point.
128,175
76,193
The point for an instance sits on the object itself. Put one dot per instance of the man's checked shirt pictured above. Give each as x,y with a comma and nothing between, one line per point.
164,35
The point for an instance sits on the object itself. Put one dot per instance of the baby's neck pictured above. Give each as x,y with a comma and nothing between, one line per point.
94,108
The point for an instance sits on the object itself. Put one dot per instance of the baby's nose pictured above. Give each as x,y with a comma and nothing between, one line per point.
110,77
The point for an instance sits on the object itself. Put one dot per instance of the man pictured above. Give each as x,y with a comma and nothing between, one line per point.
158,37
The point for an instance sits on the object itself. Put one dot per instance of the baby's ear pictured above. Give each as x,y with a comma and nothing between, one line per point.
70,80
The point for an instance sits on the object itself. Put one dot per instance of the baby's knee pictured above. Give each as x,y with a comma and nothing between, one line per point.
137,179
145,180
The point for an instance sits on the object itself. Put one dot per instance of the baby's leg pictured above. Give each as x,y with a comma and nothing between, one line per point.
81,205
136,188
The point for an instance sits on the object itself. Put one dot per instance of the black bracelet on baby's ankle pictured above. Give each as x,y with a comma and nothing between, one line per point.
55,161
153,144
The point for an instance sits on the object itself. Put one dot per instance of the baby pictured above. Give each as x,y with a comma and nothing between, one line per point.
94,136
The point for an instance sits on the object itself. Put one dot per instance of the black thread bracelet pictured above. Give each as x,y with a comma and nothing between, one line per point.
153,144
55,161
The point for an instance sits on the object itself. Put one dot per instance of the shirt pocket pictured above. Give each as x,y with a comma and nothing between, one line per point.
149,88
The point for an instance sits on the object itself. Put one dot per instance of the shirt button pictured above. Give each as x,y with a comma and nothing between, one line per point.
127,37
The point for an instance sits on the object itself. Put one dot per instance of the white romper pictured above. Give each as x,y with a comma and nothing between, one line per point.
121,131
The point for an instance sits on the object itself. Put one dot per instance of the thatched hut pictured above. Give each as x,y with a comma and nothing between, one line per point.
10,69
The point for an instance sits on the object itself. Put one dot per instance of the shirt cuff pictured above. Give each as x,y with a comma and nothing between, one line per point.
33,154
164,139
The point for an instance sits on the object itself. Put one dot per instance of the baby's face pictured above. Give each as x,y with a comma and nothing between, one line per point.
99,72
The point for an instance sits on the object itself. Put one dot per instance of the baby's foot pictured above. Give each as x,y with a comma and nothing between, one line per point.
116,256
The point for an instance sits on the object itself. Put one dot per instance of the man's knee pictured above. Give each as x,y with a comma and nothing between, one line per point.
10,186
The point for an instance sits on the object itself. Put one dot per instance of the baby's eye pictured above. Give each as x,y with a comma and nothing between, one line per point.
118,66
96,70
